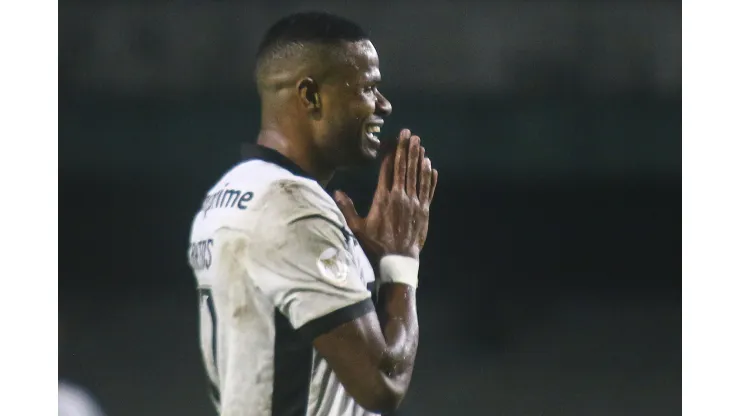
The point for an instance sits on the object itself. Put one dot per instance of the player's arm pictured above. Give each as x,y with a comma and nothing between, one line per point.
313,280
304,266
375,363
307,271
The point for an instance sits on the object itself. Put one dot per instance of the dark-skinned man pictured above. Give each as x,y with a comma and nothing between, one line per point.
288,327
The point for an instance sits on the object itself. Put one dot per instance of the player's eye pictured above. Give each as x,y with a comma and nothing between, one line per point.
368,89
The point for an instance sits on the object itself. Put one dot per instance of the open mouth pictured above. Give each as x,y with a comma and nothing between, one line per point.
373,131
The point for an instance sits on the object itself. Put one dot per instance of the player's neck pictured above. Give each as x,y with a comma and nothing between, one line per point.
298,154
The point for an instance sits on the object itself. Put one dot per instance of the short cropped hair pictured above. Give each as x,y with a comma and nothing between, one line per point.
307,27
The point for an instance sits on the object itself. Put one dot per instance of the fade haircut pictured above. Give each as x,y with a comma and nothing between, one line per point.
293,34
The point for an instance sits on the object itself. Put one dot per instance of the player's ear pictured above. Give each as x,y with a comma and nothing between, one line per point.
308,91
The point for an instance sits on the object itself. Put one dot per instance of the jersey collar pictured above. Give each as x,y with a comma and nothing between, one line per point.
266,154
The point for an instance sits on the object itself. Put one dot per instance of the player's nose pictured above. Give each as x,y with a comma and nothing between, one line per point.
383,107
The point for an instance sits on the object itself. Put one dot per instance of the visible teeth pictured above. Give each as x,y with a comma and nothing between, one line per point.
373,129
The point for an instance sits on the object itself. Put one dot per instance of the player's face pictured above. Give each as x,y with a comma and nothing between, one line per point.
353,109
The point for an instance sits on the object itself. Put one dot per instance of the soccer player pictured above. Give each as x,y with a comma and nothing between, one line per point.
285,272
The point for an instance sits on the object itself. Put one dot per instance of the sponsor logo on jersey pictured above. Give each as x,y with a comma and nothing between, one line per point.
226,198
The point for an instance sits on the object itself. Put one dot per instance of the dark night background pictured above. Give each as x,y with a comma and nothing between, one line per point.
551,282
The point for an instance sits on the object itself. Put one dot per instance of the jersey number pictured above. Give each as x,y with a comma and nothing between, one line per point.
206,300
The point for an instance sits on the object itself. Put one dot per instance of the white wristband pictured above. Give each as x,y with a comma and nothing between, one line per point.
399,269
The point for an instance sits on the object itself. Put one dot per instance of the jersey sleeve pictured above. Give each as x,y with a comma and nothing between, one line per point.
302,261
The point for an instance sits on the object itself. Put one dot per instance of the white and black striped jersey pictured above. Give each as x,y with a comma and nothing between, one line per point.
276,266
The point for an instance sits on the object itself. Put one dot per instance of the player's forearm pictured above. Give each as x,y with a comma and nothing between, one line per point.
401,332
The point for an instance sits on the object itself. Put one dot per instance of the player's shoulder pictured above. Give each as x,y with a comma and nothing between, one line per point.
288,198
294,209
278,191
264,194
